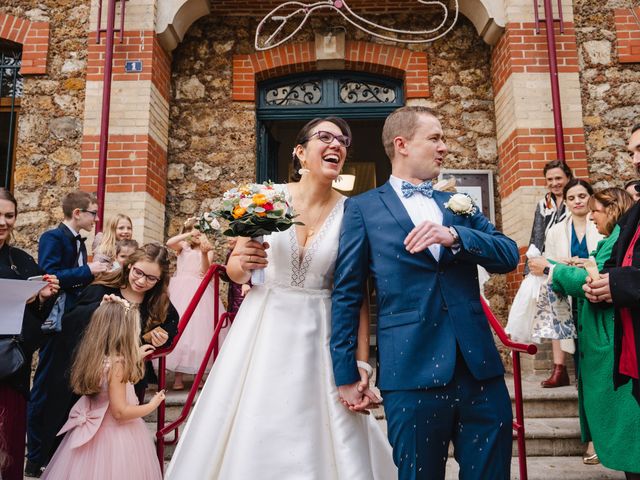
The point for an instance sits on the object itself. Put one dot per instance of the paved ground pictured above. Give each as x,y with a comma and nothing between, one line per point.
551,468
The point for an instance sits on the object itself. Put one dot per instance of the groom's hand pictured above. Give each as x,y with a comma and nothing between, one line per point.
358,397
426,234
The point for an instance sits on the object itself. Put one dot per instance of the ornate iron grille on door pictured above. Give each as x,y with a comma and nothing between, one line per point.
11,86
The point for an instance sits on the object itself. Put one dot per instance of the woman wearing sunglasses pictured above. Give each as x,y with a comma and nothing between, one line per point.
270,407
143,281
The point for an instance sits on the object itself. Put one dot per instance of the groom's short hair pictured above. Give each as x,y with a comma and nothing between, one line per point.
403,122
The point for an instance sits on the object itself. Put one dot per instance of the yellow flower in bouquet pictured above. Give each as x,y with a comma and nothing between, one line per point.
259,199
238,212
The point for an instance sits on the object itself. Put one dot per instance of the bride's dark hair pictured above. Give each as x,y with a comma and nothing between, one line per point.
303,137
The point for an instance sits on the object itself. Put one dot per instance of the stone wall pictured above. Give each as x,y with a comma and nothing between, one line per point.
50,122
610,92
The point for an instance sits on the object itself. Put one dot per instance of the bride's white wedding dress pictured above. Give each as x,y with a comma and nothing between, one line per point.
270,407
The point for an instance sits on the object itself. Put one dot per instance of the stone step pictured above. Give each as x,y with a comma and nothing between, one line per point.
544,437
551,424
551,468
541,402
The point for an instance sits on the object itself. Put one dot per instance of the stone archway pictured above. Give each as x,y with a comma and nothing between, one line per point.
175,18
367,57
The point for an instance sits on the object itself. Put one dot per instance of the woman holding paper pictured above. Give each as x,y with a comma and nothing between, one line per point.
610,418
16,264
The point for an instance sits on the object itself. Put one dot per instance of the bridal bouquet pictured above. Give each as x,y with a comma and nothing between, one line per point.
254,210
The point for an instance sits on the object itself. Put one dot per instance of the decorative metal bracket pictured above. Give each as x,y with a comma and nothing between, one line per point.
300,12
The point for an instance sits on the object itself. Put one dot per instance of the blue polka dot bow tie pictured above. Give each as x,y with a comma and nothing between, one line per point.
424,188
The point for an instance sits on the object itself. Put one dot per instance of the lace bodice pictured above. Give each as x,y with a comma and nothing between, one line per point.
311,267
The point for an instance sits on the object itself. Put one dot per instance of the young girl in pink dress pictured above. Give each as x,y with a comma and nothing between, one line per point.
106,438
194,258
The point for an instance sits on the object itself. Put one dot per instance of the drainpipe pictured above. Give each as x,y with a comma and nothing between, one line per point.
553,70
106,104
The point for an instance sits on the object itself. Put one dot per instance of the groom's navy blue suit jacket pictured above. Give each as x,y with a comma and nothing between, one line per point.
425,307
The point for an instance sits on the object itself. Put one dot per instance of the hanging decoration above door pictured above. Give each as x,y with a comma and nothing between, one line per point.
294,15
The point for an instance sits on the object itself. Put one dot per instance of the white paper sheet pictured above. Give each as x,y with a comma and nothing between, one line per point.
13,298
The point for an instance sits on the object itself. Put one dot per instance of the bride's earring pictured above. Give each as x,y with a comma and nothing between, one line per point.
302,170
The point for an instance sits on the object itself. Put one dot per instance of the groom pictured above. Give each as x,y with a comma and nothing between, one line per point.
438,368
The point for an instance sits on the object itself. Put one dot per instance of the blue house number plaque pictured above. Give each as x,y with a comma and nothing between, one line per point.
133,66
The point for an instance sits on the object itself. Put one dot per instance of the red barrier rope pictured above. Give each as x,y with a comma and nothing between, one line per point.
220,321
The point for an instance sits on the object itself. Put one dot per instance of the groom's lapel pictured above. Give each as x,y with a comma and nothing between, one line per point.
441,198
395,207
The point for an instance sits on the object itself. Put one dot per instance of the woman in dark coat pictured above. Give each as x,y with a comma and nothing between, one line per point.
16,264
143,280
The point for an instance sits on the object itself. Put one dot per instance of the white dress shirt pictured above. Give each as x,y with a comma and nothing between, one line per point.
419,208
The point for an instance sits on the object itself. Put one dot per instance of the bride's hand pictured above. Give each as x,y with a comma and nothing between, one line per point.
252,256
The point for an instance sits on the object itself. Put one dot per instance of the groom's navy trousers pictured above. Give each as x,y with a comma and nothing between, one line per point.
474,415
438,366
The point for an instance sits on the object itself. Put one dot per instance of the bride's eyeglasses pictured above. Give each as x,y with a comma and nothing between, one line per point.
328,137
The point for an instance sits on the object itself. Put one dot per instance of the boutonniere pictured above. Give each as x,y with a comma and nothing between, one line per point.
461,204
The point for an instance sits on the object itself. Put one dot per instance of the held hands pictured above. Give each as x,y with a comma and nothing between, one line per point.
598,290
426,234
358,397
252,256
537,265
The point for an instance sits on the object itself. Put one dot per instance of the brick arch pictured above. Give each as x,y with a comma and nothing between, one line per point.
368,57
34,38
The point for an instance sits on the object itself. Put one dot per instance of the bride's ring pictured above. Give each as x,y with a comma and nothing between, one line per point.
250,256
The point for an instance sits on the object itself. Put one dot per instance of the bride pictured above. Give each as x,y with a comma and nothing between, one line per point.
270,408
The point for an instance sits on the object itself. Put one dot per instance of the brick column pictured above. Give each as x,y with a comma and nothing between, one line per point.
524,119
138,126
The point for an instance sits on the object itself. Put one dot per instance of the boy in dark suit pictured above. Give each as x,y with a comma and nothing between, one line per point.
62,252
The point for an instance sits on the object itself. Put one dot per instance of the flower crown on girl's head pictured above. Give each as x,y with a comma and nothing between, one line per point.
122,301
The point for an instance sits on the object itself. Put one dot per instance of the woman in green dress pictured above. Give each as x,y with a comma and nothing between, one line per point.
610,418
